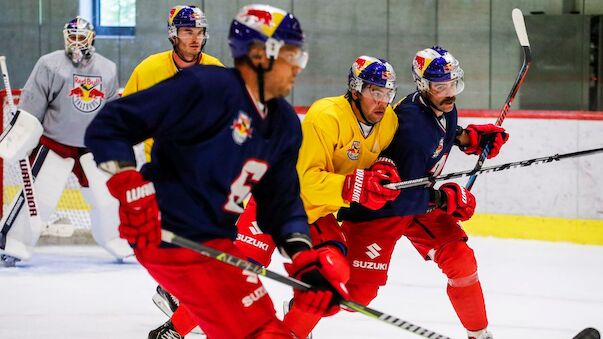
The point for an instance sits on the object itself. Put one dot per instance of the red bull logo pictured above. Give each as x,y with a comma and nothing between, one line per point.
241,128
87,94
438,149
420,63
354,150
262,16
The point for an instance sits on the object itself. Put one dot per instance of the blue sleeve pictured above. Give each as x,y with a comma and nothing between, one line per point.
280,210
410,159
167,110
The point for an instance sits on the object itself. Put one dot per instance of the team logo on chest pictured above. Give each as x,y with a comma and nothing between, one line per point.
87,93
354,151
241,128
438,149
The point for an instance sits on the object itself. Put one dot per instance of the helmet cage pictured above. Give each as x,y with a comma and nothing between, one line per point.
78,35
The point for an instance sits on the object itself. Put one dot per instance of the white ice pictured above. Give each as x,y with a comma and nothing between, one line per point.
532,289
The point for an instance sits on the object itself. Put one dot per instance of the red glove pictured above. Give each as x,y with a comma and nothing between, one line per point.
327,270
366,186
482,135
459,202
140,220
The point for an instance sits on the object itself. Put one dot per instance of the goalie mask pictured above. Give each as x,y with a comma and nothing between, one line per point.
434,67
79,40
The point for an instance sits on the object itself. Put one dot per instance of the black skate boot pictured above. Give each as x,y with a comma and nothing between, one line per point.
165,331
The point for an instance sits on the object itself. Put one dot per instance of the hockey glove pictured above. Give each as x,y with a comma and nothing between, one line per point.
454,200
482,135
366,186
140,220
327,270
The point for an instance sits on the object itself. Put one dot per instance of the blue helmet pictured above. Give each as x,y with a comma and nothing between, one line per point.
185,16
79,36
263,23
373,71
436,65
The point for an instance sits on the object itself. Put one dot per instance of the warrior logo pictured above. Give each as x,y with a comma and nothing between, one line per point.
87,92
438,149
241,128
354,151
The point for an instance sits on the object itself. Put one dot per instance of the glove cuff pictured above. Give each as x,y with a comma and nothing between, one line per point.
294,243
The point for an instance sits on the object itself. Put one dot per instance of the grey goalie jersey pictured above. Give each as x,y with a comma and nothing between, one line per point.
66,98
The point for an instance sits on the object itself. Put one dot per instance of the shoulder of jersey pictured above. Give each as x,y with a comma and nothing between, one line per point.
208,59
330,106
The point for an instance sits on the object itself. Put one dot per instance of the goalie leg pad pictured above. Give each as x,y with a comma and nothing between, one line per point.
49,184
20,137
104,214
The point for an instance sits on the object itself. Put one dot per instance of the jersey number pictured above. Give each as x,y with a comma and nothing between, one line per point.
251,173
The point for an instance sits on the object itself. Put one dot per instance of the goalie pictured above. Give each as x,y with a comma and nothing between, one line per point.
64,92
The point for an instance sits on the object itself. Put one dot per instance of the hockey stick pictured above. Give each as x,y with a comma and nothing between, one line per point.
26,175
522,35
425,181
245,265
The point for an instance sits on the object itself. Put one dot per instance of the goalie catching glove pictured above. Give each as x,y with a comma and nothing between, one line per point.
366,186
140,220
482,135
454,200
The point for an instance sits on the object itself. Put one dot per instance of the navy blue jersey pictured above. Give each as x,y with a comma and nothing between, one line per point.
212,148
420,148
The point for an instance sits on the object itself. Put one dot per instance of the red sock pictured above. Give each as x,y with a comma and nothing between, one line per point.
182,321
468,302
301,323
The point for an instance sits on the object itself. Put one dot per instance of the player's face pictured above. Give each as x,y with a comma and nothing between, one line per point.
374,101
190,40
442,95
280,80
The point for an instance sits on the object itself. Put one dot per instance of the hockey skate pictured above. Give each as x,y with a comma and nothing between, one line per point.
481,334
168,304
8,261
165,331
286,307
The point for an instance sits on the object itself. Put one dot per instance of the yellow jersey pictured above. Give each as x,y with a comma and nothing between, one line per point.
333,146
154,70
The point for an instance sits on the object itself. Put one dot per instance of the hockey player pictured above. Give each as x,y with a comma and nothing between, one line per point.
187,32
65,90
428,218
341,136
220,134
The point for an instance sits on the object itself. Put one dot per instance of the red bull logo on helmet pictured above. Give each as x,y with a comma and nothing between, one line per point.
87,93
241,128
262,18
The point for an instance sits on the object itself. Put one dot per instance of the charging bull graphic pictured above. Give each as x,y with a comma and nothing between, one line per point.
87,92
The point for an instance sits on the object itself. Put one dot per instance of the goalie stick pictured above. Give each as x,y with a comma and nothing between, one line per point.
245,265
425,181
28,195
522,36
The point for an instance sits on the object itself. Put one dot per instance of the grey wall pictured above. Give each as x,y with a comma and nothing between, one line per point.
478,32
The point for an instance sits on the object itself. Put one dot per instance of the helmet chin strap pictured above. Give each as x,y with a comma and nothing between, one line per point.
260,71
194,59
431,104
359,107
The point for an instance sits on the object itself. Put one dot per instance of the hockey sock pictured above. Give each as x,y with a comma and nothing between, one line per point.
300,323
182,321
468,302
